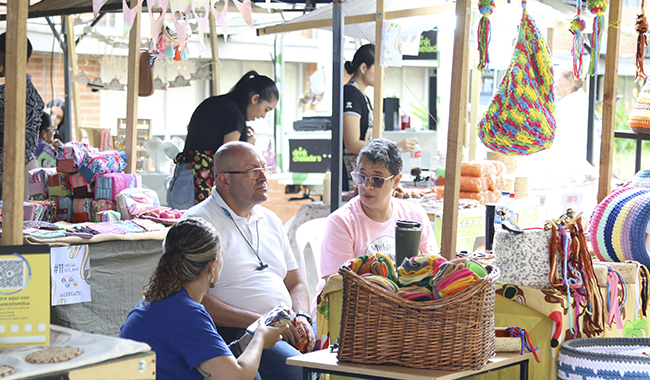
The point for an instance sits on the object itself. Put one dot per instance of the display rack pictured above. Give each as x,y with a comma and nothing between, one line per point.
144,163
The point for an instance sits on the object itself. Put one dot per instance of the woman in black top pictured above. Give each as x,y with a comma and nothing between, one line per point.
216,121
357,110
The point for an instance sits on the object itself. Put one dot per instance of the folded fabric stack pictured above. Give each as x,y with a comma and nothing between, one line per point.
73,154
107,186
37,185
96,163
107,216
454,276
58,185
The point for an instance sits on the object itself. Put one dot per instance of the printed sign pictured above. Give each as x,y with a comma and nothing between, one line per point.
24,295
70,274
309,155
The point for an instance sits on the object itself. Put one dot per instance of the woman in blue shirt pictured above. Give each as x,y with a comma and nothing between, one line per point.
172,320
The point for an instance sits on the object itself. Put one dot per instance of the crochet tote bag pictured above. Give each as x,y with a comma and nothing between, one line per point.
640,115
520,119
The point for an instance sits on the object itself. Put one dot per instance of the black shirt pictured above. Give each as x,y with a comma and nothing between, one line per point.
214,118
355,102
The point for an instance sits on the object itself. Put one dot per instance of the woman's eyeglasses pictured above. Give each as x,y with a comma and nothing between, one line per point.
376,182
255,173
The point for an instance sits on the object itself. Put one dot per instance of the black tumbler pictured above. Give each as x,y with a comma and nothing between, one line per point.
407,240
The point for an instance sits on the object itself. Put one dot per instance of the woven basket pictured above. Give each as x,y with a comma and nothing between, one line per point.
604,358
640,116
454,333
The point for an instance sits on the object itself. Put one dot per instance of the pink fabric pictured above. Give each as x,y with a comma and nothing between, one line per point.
350,233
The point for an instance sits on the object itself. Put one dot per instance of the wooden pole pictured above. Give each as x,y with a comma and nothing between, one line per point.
457,124
132,92
72,58
13,178
214,47
609,99
378,124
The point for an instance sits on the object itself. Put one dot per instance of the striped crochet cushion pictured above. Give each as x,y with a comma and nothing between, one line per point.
520,118
604,359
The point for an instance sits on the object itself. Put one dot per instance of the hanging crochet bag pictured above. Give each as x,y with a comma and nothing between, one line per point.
523,257
520,119
640,115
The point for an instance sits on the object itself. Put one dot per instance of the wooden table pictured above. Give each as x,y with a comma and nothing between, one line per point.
325,362
131,367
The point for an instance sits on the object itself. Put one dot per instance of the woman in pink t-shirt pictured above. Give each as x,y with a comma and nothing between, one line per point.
366,224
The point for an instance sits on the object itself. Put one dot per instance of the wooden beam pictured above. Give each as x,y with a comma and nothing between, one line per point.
132,92
457,124
13,178
72,58
325,23
214,48
609,99
377,124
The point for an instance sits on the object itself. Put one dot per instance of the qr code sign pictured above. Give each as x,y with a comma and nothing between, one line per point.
12,274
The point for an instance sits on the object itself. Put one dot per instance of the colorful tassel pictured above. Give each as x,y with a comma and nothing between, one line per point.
641,43
576,26
177,55
485,7
597,7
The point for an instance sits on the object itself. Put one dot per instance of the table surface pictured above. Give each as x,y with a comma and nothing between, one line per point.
325,360
132,367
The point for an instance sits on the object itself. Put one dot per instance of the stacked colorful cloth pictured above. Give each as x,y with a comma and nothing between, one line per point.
455,276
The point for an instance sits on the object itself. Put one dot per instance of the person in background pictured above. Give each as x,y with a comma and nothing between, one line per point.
357,111
33,110
45,134
259,269
56,109
171,319
216,121
366,224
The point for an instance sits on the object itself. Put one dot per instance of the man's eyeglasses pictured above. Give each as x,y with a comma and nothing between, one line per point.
376,182
255,173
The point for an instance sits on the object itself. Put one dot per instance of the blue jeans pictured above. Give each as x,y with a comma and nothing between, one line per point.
180,194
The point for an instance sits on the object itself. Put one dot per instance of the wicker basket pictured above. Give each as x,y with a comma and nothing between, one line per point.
454,334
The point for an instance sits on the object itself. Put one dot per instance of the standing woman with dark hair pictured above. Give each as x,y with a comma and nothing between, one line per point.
33,111
172,320
216,121
357,110
56,109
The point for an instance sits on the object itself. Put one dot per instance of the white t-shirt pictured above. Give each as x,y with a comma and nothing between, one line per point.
241,285
350,233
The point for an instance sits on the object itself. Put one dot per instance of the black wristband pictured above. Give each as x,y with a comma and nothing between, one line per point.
306,315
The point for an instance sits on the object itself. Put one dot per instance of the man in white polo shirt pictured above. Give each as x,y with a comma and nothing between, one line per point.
259,270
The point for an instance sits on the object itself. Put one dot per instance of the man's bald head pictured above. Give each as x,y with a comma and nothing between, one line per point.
229,154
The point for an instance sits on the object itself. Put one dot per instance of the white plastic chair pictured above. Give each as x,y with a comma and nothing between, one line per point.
309,237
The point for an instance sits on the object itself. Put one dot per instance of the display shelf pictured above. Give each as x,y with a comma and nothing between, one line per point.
144,162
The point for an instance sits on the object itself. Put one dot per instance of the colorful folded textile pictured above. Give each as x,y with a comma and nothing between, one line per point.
82,210
128,227
58,185
379,265
104,228
80,187
95,163
148,225
415,293
102,205
73,154
107,216
108,185
63,208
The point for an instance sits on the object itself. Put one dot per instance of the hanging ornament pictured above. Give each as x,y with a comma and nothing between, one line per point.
577,25
641,43
597,7
157,11
221,17
485,7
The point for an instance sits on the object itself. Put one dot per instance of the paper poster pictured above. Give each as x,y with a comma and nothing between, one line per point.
24,295
391,45
70,275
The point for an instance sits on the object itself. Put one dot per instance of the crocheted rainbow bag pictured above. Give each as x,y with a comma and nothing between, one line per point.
640,115
520,119
604,358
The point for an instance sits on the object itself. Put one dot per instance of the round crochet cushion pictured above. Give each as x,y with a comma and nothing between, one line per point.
596,217
604,358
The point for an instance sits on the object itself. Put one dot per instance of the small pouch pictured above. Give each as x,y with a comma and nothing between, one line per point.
58,185
81,210
107,216
64,208
80,187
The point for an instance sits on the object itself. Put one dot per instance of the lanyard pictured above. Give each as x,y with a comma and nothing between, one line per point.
263,265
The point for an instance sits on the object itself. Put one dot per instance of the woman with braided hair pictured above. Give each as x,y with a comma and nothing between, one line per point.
171,319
